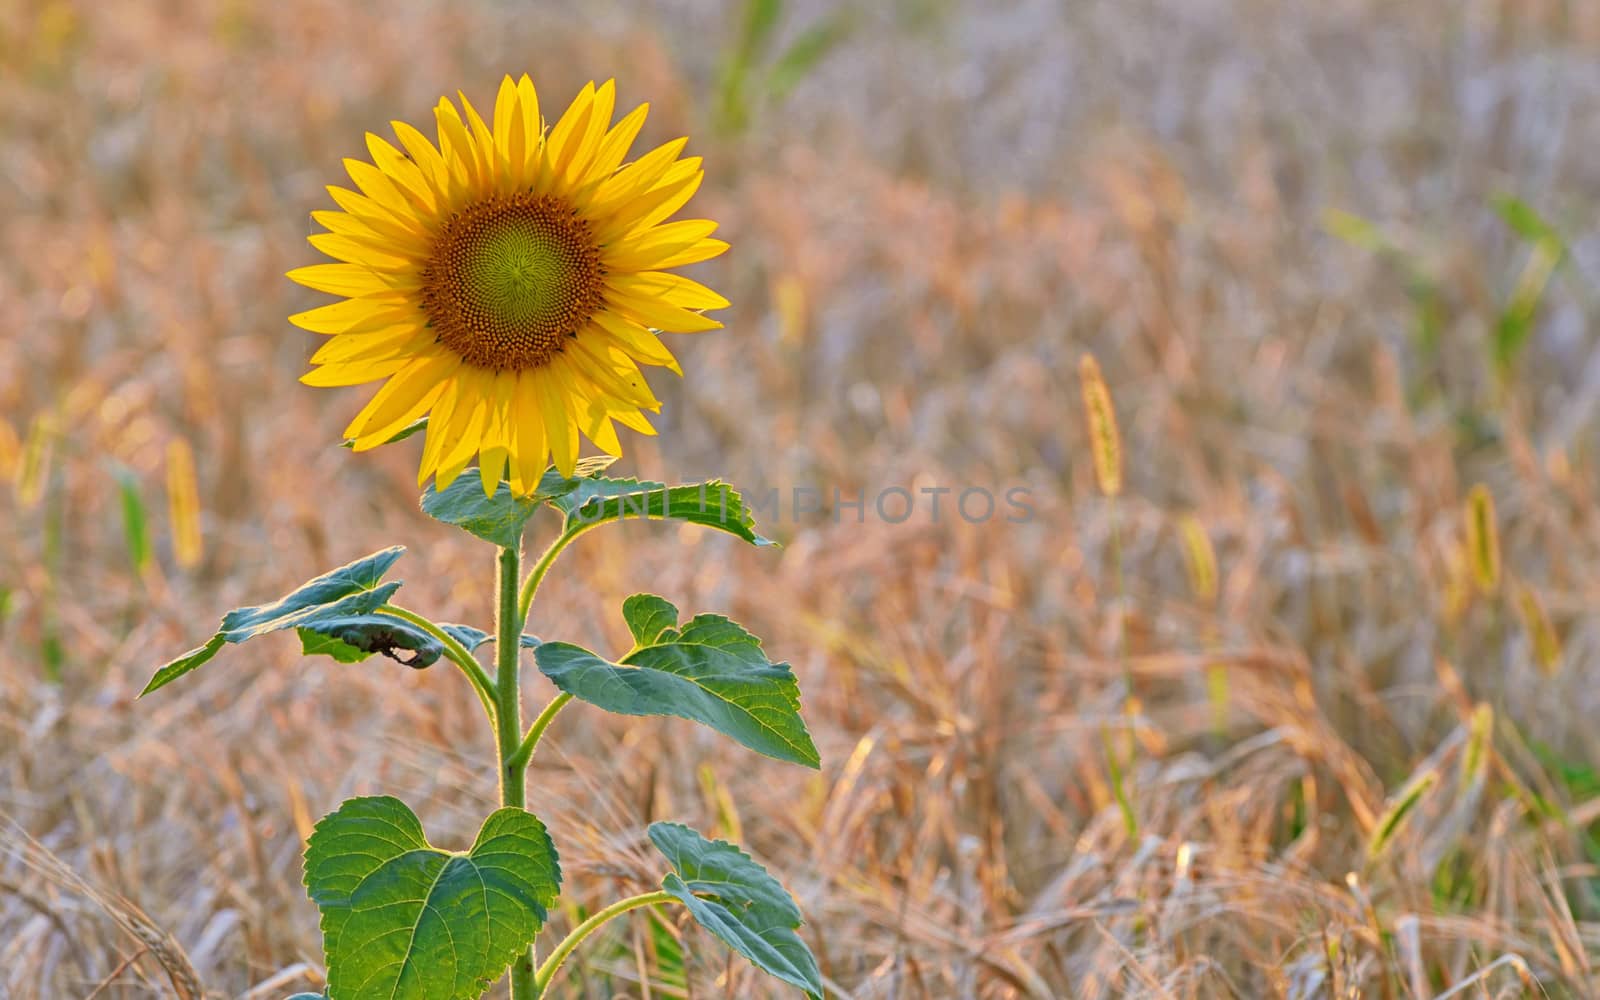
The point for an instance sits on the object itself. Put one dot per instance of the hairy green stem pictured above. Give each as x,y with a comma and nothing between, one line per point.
540,568
531,741
454,652
552,964
508,726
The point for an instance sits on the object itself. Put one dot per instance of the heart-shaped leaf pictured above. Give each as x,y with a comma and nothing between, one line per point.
404,920
351,590
354,638
710,671
736,899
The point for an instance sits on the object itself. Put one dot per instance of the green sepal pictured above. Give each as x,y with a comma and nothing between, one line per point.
710,670
415,427
739,901
354,638
712,504
351,590
500,518
404,920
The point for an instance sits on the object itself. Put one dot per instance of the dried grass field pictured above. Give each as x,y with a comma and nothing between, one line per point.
1338,261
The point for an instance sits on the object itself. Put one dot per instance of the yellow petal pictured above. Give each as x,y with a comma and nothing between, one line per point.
647,209
457,149
632,179
483,142
531,442
505,105
491,468
407,178
633,420
355,373
357,252
465,433
348,316
349,225
573,169
704,250
568,132
673,289
532,128
404,398
684,179
652,312
377,186
588,408
648,249
407,230
634,340
614,148
558,420
426,156
603,372
439,422
350,280
393,342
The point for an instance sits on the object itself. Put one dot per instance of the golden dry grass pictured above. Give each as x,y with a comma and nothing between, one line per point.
929,232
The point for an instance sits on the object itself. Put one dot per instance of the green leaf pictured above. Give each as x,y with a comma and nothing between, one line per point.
649,617
472,638
356,637
498,519
736,899
712,504
188,661
415,427
317,644
710,671
404,920
353,589
468,636
501,518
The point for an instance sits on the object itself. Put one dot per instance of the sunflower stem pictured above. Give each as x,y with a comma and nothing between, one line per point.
552,965
508,726
531,741
568,534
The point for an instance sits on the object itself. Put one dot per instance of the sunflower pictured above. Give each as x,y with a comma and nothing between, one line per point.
508,283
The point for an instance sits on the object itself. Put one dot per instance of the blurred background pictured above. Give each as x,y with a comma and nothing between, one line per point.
1337,260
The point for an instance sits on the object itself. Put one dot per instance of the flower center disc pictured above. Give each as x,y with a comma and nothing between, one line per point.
509,279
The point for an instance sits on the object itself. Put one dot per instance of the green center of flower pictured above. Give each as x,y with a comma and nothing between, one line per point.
510,279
